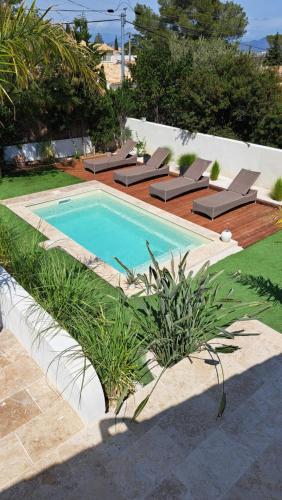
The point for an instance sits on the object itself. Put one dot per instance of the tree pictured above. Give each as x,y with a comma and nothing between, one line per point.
193,19
80,30
116,43
208,86
98,38
27,39
274,55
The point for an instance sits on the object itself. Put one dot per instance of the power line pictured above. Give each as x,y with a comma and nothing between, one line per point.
73,10
162,35
91,22
77,3
137,25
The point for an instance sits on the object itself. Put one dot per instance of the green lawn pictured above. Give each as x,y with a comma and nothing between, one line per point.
259,269
11,186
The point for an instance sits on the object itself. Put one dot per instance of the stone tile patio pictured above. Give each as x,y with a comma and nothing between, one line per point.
178,450
34,419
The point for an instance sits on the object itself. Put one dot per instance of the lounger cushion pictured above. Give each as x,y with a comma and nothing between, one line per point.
158,158
126,149
218,199
243,181
108,163
174,183
196,170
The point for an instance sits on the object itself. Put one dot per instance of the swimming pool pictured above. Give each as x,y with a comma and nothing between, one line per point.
110,227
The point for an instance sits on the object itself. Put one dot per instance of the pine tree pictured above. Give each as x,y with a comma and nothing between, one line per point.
274,55
98,38
116,43
80,30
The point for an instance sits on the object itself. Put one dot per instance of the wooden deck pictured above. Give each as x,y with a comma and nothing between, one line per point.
248,224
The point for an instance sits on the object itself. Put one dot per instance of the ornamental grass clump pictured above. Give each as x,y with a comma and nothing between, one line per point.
276,192
117,351
215,171
184,161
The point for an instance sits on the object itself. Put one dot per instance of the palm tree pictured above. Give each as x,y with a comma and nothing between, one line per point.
30,44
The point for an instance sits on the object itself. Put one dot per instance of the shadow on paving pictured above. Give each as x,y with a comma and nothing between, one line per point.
181,453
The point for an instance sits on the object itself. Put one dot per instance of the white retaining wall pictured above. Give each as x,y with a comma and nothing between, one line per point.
19,315
63,148
232,155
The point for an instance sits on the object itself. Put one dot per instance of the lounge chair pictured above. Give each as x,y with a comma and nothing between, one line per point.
153,168
121,158
238,193
191,180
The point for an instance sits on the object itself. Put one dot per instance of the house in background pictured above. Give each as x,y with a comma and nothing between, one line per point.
111,63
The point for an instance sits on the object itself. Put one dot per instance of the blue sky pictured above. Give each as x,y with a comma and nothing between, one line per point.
265,17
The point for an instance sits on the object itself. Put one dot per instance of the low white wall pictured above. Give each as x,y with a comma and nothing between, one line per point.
62,148
19,316
232,155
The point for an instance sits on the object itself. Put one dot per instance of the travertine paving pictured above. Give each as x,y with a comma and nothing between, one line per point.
178,450
34,419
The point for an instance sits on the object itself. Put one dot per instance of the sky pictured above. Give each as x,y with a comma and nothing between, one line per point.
265,17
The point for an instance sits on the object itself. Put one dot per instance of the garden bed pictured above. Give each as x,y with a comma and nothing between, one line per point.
57,353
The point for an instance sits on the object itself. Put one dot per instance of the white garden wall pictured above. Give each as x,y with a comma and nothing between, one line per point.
232,155
63,148
25,319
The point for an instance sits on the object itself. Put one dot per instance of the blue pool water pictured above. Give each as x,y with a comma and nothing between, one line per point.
110,227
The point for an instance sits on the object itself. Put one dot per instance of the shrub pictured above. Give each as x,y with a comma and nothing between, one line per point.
186,160
276,192
215,171
140,146
169,156
47,151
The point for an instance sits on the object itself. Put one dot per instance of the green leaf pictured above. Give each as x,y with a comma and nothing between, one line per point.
141,407
226,349
222,405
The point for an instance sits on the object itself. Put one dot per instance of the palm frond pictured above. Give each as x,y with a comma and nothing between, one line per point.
29,43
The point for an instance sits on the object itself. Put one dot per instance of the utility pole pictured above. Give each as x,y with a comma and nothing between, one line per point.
122,25
129,48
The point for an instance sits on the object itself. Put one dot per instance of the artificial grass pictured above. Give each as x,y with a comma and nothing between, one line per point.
32,182
255,274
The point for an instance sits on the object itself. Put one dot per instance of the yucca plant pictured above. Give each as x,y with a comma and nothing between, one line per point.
30,43
276,192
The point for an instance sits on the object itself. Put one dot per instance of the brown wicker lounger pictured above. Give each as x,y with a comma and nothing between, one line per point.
120,158
191,180
153,168
237,194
